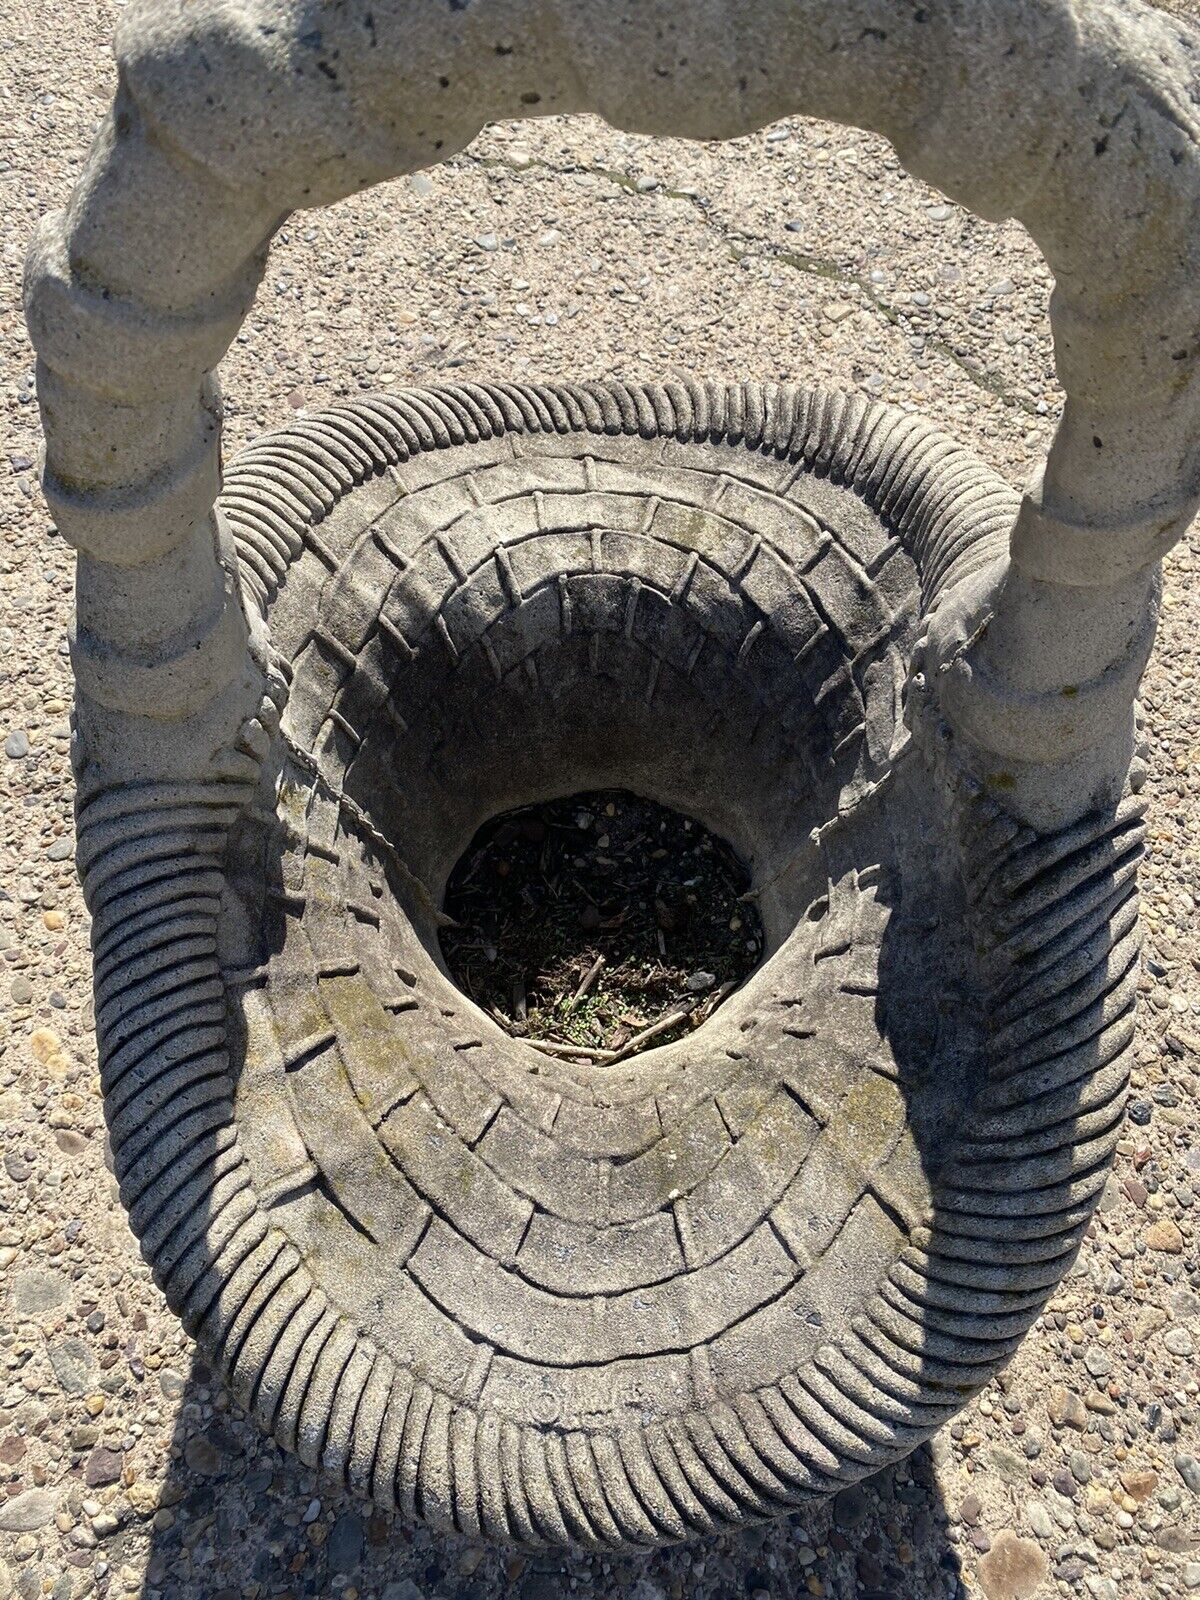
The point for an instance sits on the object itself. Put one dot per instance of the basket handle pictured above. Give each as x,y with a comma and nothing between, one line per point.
1076,116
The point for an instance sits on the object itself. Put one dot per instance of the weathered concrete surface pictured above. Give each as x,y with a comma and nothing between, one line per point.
894,364
708,595
1076,120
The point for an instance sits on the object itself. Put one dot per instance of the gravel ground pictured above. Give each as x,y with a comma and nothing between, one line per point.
556,249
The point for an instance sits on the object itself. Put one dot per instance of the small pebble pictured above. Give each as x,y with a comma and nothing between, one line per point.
1097,1361
28,1511
1164,1236
1039,1519
1065,1408
103,1467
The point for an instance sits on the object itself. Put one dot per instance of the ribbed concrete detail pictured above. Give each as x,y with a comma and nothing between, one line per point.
826,1218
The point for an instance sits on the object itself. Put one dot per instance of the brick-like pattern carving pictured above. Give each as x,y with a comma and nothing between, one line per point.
563,1303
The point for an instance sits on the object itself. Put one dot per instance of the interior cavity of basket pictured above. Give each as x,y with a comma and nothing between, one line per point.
494,624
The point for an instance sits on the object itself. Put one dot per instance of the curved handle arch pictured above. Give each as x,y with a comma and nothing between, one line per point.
1078,117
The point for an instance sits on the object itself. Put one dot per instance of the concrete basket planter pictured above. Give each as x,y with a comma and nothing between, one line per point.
561,1303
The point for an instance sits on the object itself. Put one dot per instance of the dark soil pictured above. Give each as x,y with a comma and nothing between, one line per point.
584,923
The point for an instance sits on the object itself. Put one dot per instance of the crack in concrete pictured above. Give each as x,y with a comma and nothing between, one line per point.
742,246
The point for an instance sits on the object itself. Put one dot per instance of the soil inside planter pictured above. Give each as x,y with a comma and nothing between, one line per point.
599,925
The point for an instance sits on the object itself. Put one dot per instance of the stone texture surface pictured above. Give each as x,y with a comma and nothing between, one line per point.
1013,1569
713,623
597,1305
1071,118
738,202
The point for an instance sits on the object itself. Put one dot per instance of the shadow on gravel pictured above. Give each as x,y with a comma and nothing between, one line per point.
240,1520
